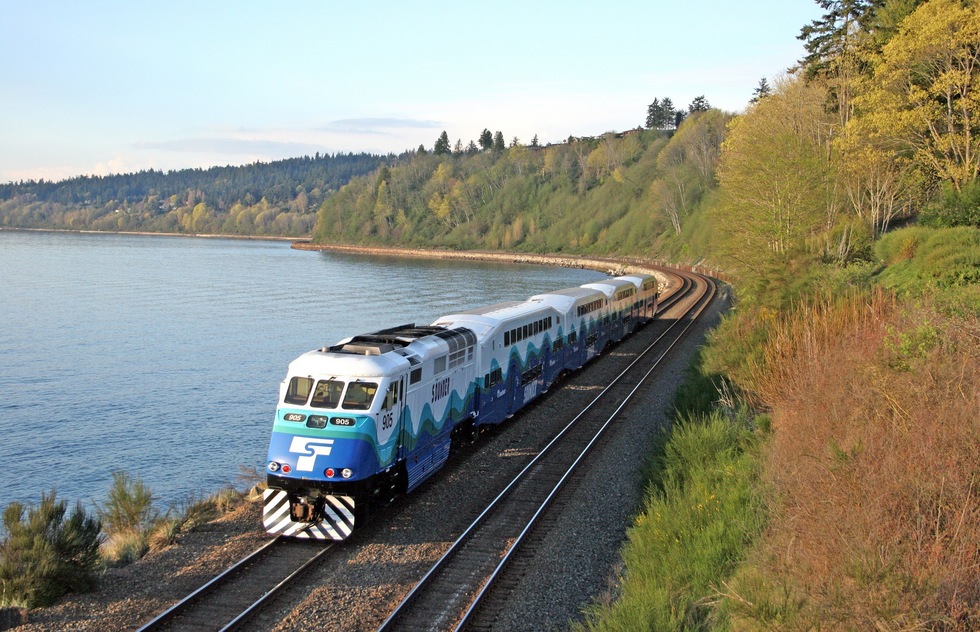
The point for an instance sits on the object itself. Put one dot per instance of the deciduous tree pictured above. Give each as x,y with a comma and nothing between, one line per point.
776,179
924,94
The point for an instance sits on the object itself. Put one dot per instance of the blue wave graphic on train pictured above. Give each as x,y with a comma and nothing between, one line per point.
374,415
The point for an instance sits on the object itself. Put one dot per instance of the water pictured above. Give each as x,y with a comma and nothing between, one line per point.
162,356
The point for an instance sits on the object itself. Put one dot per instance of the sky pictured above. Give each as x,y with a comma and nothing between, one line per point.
100,87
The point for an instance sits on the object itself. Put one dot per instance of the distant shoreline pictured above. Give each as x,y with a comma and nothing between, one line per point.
144,233
613,266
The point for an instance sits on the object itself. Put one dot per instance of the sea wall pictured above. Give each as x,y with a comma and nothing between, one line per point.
609,265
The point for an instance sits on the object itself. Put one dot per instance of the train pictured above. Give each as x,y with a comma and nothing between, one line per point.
370,418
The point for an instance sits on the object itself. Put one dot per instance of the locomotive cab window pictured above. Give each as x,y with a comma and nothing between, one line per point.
393,395
299,390
327,394
360,395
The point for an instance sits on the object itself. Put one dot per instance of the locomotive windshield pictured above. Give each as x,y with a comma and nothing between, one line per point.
299,390
360,395
327,393
330,393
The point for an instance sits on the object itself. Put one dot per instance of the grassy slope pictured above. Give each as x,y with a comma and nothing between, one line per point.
867,483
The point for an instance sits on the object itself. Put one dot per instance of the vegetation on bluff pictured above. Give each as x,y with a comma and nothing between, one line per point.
857,341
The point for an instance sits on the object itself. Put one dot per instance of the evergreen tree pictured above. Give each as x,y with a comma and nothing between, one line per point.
830,37
486,140
661,114
762,91
654,115
442,144
699,104
679,117
534,141
472,148
498,142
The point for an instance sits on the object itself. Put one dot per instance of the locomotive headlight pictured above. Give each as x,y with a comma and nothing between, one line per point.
329,472
346,472
273,466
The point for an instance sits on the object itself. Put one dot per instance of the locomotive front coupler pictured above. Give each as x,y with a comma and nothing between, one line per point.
301,509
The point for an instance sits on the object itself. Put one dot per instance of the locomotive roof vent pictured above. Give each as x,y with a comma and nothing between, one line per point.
361,348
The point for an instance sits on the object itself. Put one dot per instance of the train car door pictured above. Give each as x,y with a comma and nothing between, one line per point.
391,419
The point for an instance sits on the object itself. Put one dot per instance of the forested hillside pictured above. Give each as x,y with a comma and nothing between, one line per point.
822,472
621,193
278,198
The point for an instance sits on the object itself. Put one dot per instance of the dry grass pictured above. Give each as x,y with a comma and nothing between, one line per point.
875,464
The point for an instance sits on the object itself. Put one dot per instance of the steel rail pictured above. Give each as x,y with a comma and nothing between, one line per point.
422,584
182,605
200,596
272,592
701,305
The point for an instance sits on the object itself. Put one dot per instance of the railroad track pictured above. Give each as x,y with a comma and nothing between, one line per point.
452,591
232,597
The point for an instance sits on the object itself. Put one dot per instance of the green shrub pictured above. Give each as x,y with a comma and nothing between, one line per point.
954,208
130,505
47,552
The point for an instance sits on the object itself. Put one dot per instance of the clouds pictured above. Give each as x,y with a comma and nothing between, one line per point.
94,88
379,125
232,146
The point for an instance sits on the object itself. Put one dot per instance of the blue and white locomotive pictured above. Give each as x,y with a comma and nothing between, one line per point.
373,416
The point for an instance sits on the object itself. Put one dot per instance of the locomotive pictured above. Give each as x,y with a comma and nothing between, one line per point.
373,416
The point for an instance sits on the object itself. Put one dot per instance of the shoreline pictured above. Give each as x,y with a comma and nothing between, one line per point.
613,266
144,233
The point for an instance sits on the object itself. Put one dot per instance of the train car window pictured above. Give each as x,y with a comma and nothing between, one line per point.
496,376
415,376
439,365
506,338
299,390
327,394
360,395
456,358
